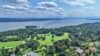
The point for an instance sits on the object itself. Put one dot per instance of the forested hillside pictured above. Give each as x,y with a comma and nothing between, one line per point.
63,41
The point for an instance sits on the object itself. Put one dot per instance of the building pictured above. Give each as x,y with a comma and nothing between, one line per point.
30,54
80,51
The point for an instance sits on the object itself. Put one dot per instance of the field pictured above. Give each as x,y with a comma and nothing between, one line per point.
48,38
47,41
10,44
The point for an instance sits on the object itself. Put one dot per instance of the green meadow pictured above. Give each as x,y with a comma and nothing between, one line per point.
48,38
47,41
12,44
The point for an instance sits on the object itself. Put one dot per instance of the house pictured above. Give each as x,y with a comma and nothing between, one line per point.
12,55
80,51
30,54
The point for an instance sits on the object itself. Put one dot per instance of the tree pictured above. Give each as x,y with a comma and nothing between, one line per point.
62,54
4,52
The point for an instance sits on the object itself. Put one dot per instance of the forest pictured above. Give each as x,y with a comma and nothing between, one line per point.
75,40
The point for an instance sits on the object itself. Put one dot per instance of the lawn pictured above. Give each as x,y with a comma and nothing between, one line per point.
11,36
10,44
48,38
47,41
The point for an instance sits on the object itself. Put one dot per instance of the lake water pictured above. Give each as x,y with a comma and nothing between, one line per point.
4,26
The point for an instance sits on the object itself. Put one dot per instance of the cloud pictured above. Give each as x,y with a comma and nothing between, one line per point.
11,7
78,7
48,4
24,8
49,8
77,2
16,8
16,4
45,8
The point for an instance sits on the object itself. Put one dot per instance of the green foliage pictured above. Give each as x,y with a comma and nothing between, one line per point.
10,44
52,42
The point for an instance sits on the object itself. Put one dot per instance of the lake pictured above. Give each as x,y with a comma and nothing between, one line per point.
4,26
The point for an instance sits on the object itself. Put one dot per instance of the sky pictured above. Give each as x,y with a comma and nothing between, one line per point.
49,8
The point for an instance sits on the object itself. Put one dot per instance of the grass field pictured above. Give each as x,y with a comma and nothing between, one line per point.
48,38
10,44
47,41
11,36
